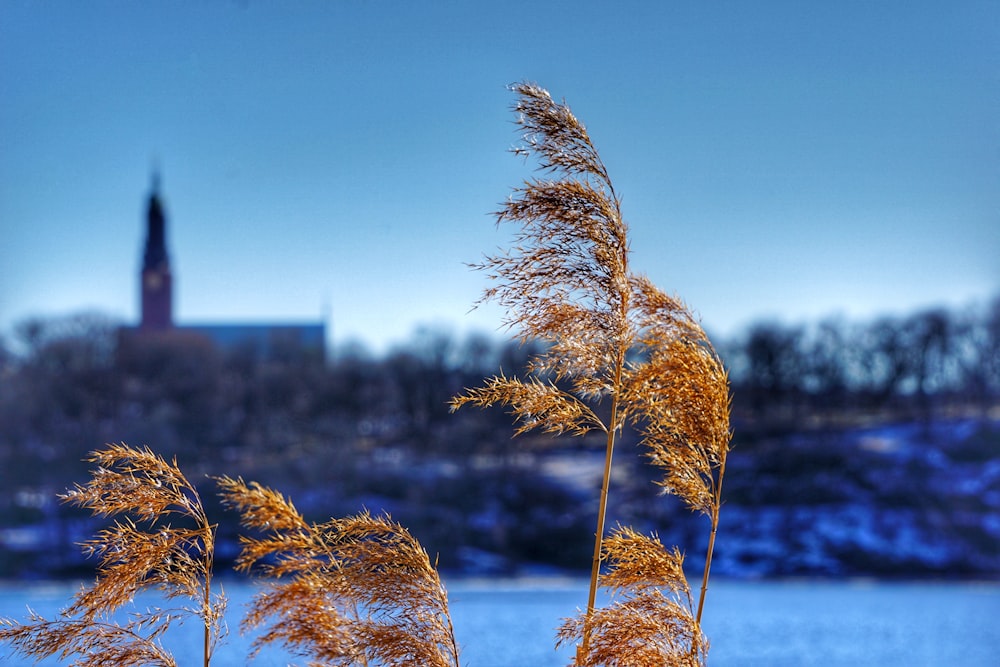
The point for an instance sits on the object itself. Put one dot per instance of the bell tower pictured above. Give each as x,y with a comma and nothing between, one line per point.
155,279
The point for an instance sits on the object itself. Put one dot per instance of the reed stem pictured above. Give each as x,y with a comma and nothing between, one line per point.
708,567
207,610
197,509
711,542
595,568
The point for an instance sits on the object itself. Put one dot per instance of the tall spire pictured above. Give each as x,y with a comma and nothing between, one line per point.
156,284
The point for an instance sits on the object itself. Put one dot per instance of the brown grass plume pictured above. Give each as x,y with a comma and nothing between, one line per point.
612,335
353,591
143,549
361,590
650,620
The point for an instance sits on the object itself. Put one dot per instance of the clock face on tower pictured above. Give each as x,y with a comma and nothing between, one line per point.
153,281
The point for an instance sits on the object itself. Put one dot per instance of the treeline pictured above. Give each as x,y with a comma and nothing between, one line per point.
927,364
375,430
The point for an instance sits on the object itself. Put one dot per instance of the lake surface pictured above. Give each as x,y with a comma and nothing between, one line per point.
511,623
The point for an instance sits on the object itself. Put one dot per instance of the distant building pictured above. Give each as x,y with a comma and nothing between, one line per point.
155,281
260,339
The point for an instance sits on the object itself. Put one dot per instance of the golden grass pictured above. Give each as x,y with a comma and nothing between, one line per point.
353,591
612,335
650,619
361,590
140,551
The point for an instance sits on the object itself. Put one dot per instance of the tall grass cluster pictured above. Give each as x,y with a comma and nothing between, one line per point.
618,354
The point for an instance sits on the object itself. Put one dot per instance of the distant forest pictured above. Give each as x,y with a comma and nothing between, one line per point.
359,430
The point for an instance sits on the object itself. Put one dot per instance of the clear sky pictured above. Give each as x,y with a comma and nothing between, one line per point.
787,160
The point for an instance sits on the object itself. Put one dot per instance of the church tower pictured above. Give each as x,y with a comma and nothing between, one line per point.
155,279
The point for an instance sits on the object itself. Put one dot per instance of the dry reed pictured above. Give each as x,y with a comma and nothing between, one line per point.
361,590
140,551
353,591
650,620
612,335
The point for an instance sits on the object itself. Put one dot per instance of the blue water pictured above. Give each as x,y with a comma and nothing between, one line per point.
511,624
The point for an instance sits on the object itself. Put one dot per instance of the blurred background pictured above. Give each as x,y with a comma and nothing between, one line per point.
238,232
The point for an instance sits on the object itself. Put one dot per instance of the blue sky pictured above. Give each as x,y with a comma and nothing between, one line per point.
789,160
